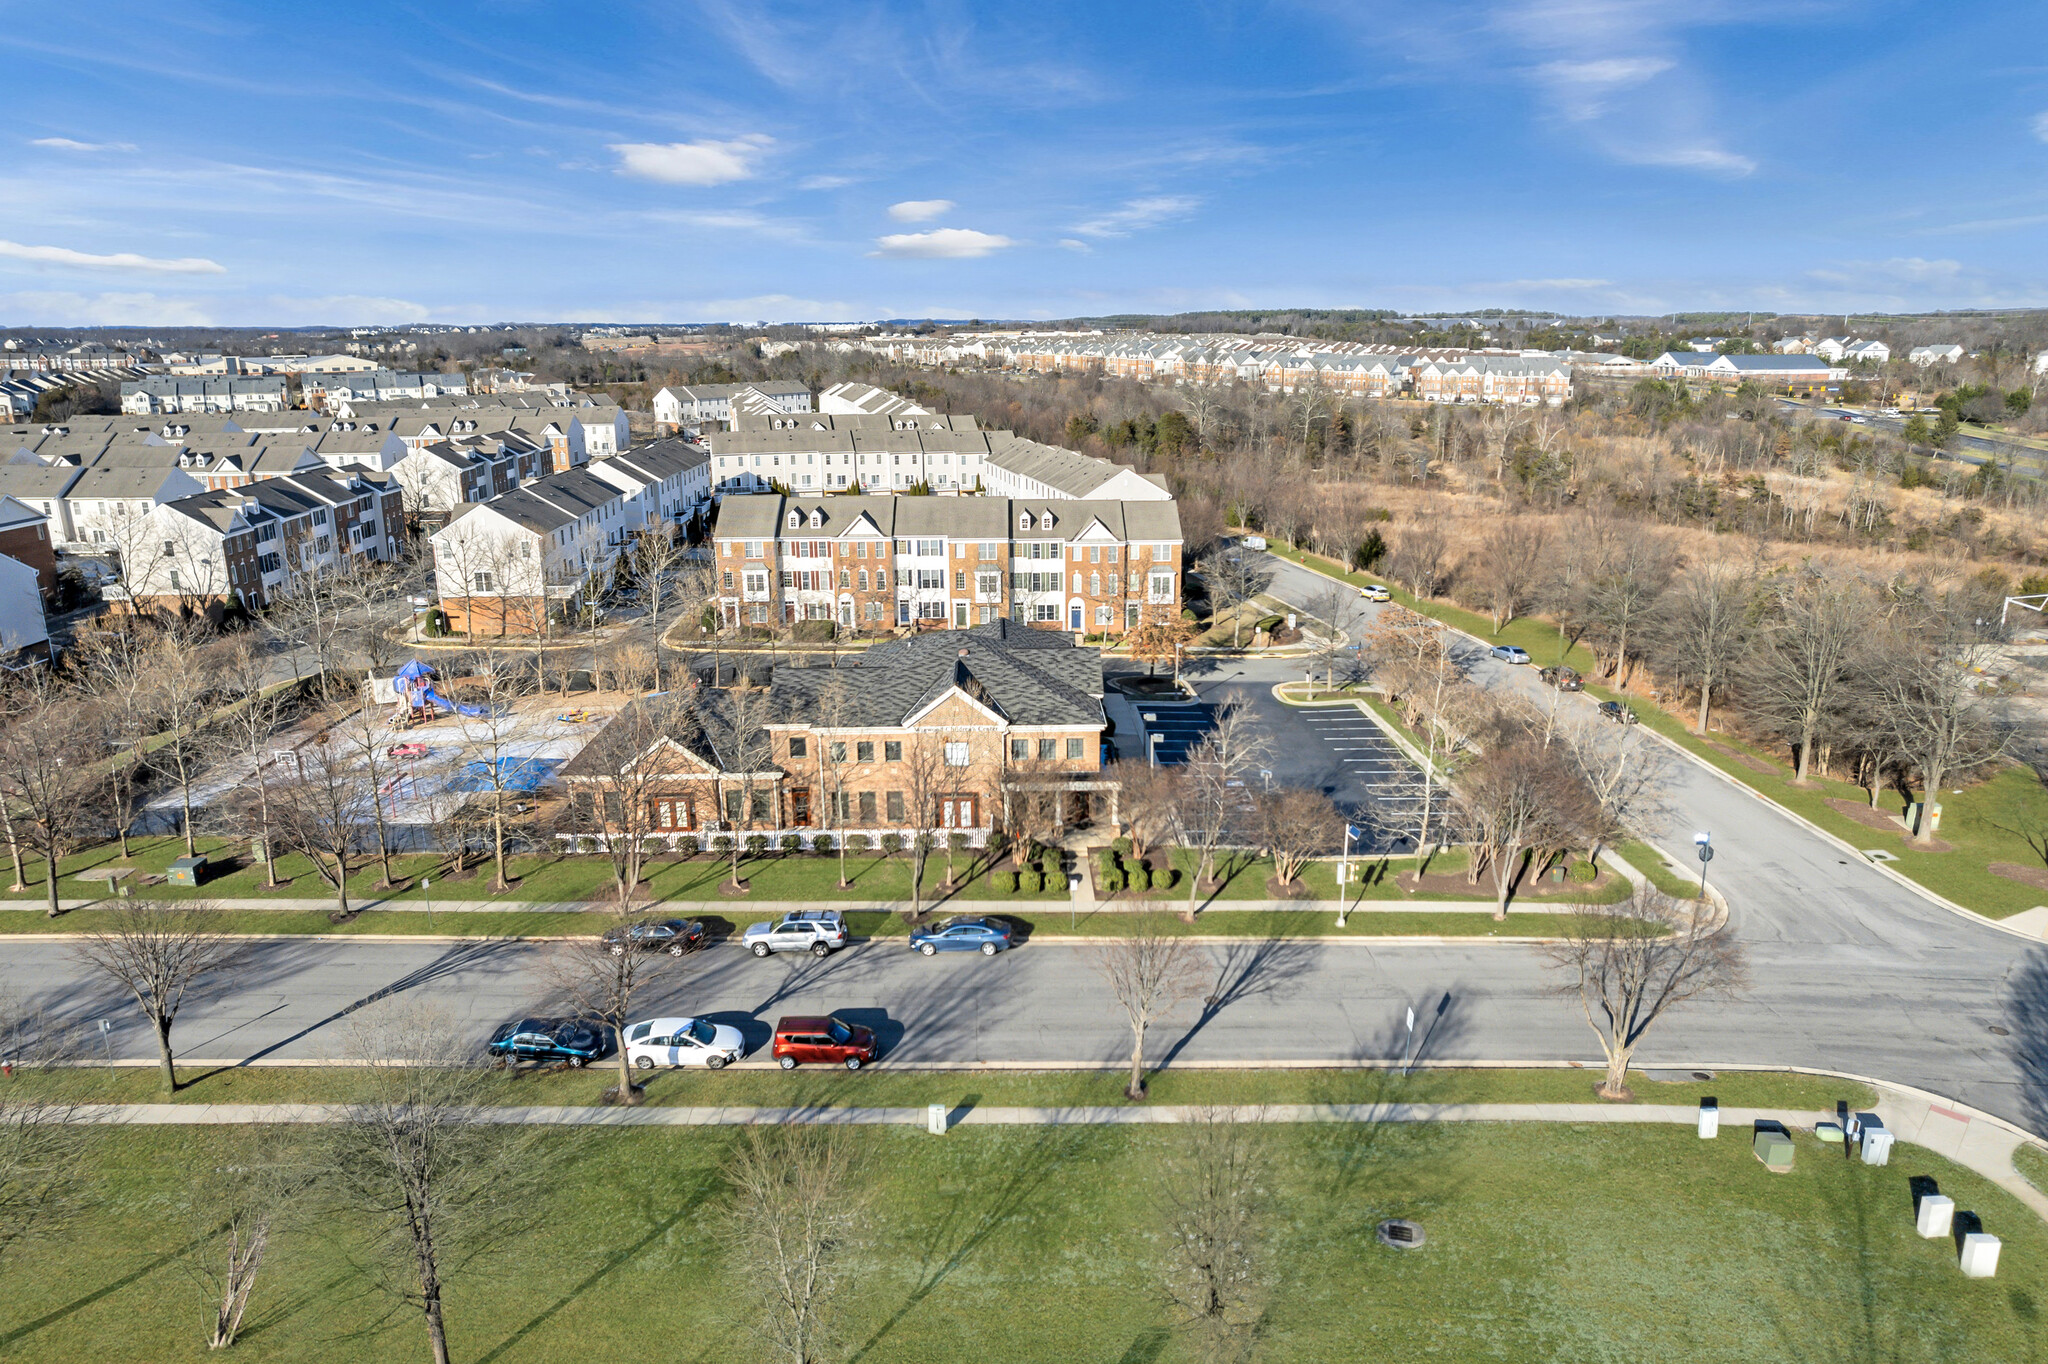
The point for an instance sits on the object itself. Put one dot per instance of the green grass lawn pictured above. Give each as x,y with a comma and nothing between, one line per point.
1024,1244
540,878
883,1087
1651,863
2032,1162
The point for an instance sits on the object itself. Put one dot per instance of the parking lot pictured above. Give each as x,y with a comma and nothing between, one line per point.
1337,750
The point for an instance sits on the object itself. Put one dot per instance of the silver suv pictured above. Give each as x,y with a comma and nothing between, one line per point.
816,931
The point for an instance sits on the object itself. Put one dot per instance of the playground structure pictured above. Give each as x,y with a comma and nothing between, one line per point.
412,692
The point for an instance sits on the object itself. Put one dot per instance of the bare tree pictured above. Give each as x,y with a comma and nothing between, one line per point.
626,770
1234,576
1159,637
248,730
1509,567
1296,825
159,952
1621,592
319,804
1517,799
45,776
1702,629
1150,970
1417,559
418,1159
748,753
604,976
503,739
1631,963
794,1223
1799,675
182,679
245,1188
1328,606
116,669
366,736
1213,801
932,763
1931,707
656,559
1146,799
1214,1205
838,760
42,1154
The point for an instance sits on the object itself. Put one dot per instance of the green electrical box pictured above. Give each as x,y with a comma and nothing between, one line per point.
1774,1149
188,871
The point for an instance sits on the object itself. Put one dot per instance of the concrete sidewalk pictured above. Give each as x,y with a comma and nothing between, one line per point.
1976,1141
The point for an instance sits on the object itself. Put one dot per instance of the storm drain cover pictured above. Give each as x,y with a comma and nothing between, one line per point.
1401,1234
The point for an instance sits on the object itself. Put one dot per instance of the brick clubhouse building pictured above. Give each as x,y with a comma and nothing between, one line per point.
881,564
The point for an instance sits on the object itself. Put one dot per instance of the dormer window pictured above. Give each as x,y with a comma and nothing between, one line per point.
1024,521
795,519
817,518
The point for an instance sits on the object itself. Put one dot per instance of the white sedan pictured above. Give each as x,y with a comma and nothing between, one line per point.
683,1042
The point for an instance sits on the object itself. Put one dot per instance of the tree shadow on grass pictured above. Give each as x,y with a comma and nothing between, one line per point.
99,1294
973,1216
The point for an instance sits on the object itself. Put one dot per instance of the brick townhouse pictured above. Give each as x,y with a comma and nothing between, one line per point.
949,731
932,563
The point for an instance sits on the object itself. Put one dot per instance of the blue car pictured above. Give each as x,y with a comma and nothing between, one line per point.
550,1039
986,936
1508,653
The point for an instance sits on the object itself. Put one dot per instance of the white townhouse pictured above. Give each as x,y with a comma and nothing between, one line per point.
164,393
1867,353
667,482
689,406
816,452
1924,356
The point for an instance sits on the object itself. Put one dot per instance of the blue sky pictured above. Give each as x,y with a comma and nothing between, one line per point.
719,160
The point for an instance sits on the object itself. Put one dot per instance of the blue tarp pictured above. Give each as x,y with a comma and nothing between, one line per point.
514,774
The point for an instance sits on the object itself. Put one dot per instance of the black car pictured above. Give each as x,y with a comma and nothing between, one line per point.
673,936
549,1039
1617,712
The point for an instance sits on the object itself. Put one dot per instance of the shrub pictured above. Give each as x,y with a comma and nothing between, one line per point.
858,843
821,843
1122,847
792,843
813,632
892,844
1271,623
721,844
689,845
757,844
585,843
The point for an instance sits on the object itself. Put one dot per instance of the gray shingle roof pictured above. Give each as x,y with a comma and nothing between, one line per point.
1029,677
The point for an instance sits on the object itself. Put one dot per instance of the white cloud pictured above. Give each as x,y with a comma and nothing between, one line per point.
704,162
119,260
1075,244
1137,214
105,310
945,243
824,182
65,144
2040,126
1712,160
1606,70
921,210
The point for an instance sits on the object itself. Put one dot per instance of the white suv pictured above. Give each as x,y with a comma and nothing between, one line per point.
816,931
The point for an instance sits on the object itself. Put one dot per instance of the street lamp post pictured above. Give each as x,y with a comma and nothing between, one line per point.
1344,874
425,886
1705,843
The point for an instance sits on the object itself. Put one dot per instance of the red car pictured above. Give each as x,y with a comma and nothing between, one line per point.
828,1040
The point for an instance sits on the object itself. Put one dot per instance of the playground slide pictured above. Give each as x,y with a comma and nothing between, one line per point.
429,694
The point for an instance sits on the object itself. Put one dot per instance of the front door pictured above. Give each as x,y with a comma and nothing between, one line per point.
959,812
800,807
1074,617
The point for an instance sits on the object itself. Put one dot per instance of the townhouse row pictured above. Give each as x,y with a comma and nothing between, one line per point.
925,563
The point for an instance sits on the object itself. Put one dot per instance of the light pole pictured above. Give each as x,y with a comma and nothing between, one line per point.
1344,873
1705,843
425,886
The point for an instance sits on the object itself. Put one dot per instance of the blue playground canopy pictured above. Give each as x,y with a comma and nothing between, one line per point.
514,774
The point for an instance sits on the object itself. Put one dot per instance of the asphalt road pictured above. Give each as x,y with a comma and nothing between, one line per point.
1970,449
1849,971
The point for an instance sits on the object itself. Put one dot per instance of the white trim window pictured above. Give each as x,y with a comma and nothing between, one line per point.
956,755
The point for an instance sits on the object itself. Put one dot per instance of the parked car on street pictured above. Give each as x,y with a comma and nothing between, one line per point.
684,1042
1253,542
816,931
1375,592
1563,678
574,1040
829,1040
986,936
673,936
1509,653
1617,712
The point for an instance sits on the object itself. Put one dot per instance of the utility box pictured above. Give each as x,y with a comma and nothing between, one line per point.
1877,1140
1710,1118
187,871
1935,1216
259,850
935,1120
1980,1255
1774,1148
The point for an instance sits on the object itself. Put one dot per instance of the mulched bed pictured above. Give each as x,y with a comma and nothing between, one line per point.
2037,877
1454,883
1883,823
1291,890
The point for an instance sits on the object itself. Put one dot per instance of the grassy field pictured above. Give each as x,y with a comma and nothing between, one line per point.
882,1087
1983,823
539,878
2032,1162
1651,863
1545,1243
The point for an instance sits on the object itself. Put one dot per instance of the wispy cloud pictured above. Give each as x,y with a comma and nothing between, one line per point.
921,210
66,144
1712,160
2040,125
704,162
1076,244
105,310
1138,214
119,260
817,182
945,243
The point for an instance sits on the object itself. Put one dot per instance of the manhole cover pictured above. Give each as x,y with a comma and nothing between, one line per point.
1703,1075
1401,1234
1997,1031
